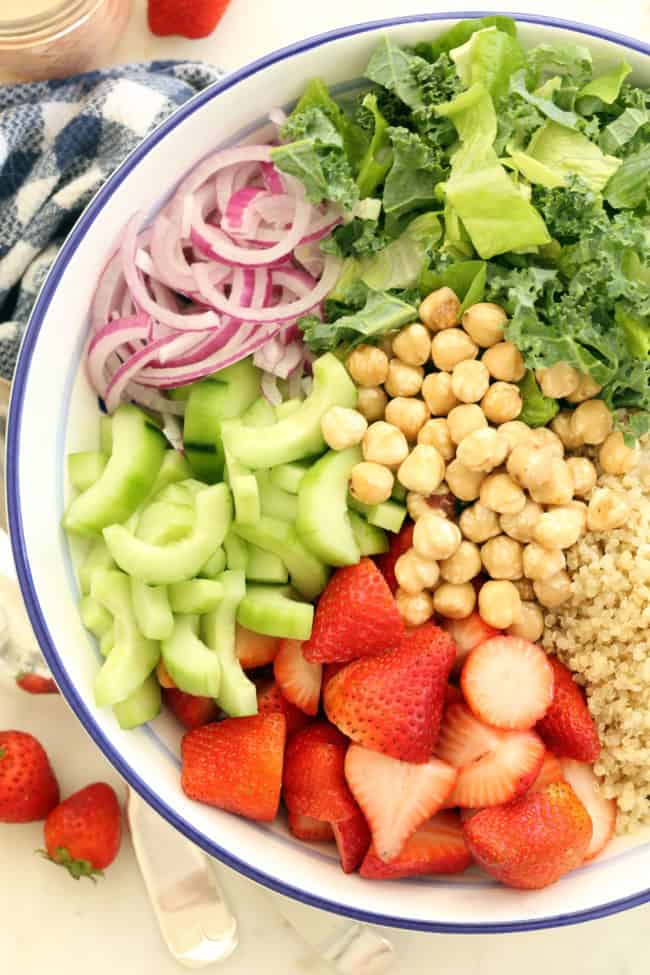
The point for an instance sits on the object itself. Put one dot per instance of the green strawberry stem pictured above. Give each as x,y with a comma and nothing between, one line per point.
76,868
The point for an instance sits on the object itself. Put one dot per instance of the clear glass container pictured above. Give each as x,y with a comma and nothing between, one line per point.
56,38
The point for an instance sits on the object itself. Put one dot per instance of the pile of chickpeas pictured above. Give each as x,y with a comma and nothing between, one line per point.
437,410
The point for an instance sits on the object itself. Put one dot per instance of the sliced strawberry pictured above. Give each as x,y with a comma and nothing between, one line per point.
36,684
567,727
309,829
494,766
393,702
508,683
396,797
468,634
602,812
399,544
551,771
437,846
352,840
453,695
255,649
314,781
271,700
191,711
356,616
298,680
329,671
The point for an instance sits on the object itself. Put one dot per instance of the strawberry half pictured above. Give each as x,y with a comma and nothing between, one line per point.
314,781
395,797
494,766
567,728
399,544
602,812
191,711
392,702
83,833
437,846
189,18
255,649
551,771
236,764
352,840
28,787
508,683
308,829
271,700
356,616
298,679
468,634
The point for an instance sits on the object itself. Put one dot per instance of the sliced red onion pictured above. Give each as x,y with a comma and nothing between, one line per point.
110,291
272,178
278,117
242,215
151,399
168,257
107,340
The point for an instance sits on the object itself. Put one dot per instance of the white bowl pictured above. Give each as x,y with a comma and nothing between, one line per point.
53,411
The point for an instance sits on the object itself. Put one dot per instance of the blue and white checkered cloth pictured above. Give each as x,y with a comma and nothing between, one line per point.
59,140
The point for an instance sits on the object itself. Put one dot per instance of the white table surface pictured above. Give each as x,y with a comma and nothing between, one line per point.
48,922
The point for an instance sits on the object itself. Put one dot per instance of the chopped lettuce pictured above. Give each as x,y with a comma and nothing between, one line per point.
623,129
603,90
537,410
490,57
629,187
566,152
466,278
381,313
379,156
399,265
461,32
543,103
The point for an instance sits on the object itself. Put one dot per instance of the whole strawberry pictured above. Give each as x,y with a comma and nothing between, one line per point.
83,833
28,788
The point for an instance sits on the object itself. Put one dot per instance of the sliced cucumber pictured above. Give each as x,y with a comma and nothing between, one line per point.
152,609
238,695
287,408
265,566
288,476
106,435
86,467
275,611
298,435
107,642
177,493
98,560
370,539
162,522
274,502
142,706
195,596
399,492
389,515
214,566
308,574
164,564
260,414
174,468
193,666
244,489
94,616
323,523
236,552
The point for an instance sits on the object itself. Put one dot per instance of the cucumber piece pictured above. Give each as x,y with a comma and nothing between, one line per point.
298,435
177,493
236,552
215,565
244,489
238,695
94,616
152,609
399,492
288,407
174,468
195,596
142,706
164,564
162,522
138,450
323,523
86,467
359,506
387,515
107,642
192,666
274,502
288,476
133,656
308,574
370,539
260,414
265,566
275,611
98,560
106,435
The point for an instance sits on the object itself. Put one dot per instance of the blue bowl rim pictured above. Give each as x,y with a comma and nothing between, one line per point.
15,521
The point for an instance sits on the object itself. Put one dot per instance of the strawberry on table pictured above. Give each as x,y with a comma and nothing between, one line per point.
271,700
467,634
192,711
399,544
567,728
83,833
299,680
396,797
352,840
356,616
602,812
551,771
393,702
309,829
314,780
255,649
28,788
236,764
533,841
189,18
36,684
437,846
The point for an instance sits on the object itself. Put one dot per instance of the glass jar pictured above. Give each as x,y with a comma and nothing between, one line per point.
55,38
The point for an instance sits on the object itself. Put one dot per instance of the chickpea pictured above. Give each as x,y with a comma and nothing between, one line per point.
546,439
440,309
503,495
478,523
580,508
499,604
557,488
385,444
413,345
502,559
554,590
371,483
559,381
559,527
484,322
438,394
542,563
403,380
436,433
514,432
465,419
413,573
465,484
587,388
528,464
470,380
614,457
368,365
407,414
606,510
343,428
502,402
163,677
455,602
521,525
371,403
386,343
525,589
583,475
561,426
414,610
482,450
591,421
504,361
423,470
450,347
417,505
531,625
463,565
434,537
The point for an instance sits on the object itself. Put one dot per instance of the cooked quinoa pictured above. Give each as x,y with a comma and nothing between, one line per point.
603,634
